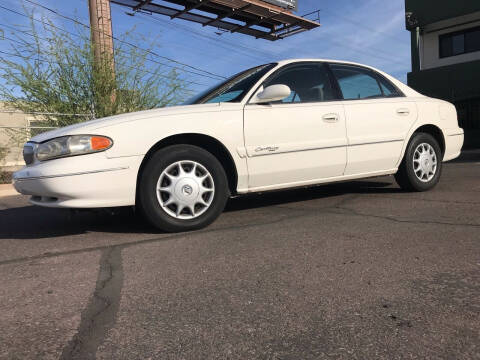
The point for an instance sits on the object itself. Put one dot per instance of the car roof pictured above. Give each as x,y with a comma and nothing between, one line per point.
289,61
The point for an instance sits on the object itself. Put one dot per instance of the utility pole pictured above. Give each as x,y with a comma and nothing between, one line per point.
101,32
102,41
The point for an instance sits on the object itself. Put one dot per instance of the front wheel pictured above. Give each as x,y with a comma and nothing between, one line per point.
182,188
421,166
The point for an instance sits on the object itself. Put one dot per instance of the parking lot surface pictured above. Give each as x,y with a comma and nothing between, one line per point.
358,270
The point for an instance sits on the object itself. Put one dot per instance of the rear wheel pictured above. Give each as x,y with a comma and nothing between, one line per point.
422,164
182,188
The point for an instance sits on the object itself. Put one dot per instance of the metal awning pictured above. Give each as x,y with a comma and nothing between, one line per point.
250,17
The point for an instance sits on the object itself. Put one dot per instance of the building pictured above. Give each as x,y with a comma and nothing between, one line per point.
13,126
16,128
446,56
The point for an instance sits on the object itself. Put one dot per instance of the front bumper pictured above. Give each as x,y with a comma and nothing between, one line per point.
87,181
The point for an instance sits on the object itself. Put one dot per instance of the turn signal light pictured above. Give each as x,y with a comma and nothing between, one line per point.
100,143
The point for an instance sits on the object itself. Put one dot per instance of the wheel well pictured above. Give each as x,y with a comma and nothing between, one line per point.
208,143
435,132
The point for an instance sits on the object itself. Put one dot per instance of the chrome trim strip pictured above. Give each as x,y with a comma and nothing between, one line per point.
65,175
459,134
377,142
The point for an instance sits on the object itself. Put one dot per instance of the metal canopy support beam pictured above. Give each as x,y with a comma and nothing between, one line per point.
290,33
219,7
227,15
189,8
252,23
141,5
277,30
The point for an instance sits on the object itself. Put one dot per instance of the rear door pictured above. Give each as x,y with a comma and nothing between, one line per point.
378,118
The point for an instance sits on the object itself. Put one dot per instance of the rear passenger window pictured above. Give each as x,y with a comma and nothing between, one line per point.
387,88
386,91
359,83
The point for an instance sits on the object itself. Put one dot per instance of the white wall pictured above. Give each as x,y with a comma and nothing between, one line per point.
429,43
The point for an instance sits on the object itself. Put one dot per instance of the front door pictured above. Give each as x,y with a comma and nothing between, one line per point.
301,139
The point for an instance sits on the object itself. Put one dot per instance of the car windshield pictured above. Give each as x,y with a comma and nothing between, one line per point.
232,89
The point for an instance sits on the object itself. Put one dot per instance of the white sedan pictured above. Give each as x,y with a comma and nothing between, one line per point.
276,126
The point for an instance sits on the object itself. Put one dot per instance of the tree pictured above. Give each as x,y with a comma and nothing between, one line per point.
53,71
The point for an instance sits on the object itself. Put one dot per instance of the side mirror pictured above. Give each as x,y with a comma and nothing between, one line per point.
272,93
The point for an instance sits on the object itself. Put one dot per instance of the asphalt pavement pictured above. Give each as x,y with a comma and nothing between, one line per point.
357,270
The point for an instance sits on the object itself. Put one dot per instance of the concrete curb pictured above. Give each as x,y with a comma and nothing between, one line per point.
7,190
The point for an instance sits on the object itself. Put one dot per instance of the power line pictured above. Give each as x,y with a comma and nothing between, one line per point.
355,49
336,43
117,39
238,47
15,29
123,41
116,55
39,113
359,24
362,51
128,66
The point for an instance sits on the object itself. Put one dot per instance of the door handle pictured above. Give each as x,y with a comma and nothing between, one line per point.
330,118
403,112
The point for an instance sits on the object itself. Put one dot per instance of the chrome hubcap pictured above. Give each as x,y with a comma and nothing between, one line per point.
425,162
185,189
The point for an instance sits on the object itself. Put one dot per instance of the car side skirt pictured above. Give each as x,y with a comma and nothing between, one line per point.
318,181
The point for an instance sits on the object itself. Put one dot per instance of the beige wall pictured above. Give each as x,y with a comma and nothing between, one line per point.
429,45
14,132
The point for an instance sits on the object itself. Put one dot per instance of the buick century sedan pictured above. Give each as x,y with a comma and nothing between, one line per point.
289,124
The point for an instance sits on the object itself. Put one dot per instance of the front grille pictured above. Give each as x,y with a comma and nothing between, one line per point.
28,154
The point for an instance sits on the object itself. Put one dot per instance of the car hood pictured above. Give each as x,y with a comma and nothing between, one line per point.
89,127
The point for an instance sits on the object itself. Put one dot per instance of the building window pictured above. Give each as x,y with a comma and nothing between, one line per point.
460,42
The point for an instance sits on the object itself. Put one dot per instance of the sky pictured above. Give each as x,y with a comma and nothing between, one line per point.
371,32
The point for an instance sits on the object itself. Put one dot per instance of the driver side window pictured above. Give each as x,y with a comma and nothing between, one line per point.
308,83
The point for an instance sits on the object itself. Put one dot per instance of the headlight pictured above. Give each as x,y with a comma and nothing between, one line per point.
72,145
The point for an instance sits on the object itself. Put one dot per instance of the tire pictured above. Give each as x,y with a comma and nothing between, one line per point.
416,172
202,189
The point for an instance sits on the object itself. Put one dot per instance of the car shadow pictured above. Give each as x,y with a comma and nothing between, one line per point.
32,222
468,156
271,198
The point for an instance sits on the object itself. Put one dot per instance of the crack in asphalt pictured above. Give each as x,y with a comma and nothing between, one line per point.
431,200
305,212
348,211
100,314
403,221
